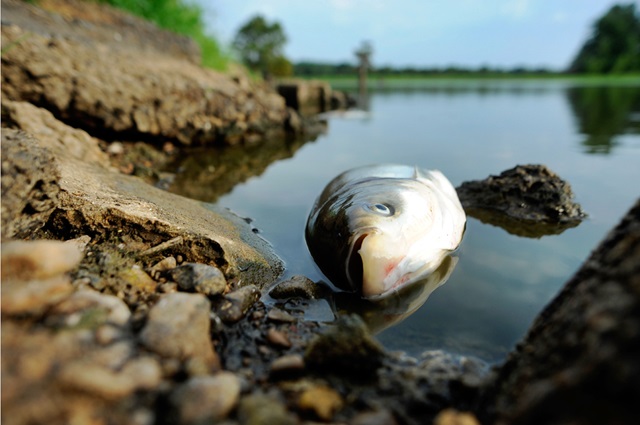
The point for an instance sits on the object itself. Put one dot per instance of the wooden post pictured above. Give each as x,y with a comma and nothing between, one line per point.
363,54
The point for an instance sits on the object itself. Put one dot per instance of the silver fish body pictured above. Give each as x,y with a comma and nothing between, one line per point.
376,229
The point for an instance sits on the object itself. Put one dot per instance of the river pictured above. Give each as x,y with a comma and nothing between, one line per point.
588,134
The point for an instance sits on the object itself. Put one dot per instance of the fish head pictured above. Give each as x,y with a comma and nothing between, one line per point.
401,230
376,234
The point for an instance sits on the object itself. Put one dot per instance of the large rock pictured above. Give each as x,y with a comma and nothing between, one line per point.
579,362
527,200
81,195
130,84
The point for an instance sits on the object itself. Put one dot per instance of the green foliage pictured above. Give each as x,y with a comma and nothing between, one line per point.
259,44
181,18
614,46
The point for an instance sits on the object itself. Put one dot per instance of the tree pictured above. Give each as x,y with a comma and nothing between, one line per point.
260,44
614,46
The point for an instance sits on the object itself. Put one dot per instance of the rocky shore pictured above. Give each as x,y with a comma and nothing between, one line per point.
124,303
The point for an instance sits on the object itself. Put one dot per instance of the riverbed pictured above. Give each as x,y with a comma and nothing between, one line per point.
588,134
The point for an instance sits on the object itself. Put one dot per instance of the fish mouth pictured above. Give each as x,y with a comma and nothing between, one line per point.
354,265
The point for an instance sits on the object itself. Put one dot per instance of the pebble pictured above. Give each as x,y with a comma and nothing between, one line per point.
376,417
237,303
115,148
115,310
261,409
33,297
322,400
453,417
201,278
279,315
287,363
41,259
296,287
139,279
163,265
178,326
278,338
347,347
206,399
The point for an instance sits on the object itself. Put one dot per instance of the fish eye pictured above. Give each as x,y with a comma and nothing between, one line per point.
380,209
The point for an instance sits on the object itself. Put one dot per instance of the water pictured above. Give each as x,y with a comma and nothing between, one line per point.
589,135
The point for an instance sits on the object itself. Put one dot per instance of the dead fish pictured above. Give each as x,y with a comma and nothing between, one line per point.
375,229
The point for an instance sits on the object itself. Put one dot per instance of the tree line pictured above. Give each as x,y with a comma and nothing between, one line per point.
612,48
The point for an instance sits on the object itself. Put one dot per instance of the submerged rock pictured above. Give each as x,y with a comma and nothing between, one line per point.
527,200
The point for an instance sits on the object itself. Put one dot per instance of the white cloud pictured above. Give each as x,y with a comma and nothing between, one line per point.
517,9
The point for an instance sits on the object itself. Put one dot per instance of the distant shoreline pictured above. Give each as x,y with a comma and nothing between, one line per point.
413,81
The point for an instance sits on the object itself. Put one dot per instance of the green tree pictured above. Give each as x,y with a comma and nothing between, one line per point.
614,46
260,44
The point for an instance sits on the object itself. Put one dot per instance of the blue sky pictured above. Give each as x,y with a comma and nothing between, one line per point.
423,33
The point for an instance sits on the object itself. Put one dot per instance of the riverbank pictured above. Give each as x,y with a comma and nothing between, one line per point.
124,303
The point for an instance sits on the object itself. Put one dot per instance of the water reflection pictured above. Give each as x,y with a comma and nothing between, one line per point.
602,113
207,174
382,314
527,229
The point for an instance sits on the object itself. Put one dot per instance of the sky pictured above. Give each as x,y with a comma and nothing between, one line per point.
422,33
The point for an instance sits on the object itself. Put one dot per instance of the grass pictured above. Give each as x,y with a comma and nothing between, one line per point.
181,18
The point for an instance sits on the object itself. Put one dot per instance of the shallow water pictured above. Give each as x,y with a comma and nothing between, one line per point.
590,136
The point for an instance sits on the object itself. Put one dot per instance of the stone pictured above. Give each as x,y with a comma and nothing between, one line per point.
73,308
25,260
279,315
578,362
287,363
165,264
178,327
206,399
297,287
527,200
278,338
236,304
375,417
453,417
85,194
346,347
35,296
322,400
201,278
260,409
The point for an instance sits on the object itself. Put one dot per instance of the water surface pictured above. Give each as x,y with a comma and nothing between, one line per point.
589,135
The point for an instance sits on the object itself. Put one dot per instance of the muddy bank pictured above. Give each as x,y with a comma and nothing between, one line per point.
124,303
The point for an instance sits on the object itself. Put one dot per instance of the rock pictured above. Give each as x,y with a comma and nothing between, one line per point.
287,364
453,417
201,278
347,348
322,400
527,200
25,260
163,265
236,304
102,309
260,409
278,315
297,287
376,417
162,96
35,296
97,200
278,338
138,279
306,97
178,327
578,362
206,399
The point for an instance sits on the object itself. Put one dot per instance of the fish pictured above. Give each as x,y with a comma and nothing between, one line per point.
374,230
